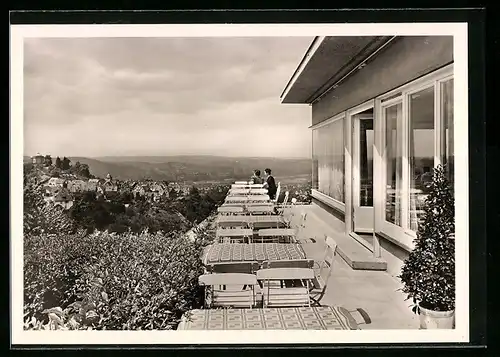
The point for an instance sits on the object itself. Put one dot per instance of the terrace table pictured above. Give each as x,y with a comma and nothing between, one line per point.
258,191
239,192
247,199
256,222
254,185
259,252
291,318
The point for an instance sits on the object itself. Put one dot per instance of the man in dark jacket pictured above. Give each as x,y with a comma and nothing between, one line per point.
270,184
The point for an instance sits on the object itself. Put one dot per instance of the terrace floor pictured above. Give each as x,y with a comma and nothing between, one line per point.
374,291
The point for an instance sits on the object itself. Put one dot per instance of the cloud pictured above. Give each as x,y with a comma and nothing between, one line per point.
162,95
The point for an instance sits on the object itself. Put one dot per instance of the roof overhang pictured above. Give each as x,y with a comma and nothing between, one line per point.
328,61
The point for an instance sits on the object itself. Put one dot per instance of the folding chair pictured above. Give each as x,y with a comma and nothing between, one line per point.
215,296
325,271
288,263
278,296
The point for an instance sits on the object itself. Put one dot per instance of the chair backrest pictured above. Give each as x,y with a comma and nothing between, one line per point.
233,267
285,199
227,279
301,225
327,264
278,191
288,263
285,274
217,295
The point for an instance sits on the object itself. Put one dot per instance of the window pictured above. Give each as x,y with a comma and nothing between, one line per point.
328,160
421,151
393,161
447,150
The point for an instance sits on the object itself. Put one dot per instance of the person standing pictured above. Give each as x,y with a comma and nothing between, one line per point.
270,184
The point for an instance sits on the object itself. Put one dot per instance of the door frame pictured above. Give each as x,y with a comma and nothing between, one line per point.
349,221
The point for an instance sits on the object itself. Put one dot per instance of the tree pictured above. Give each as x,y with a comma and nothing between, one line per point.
66,163
47,160
428,274
58,163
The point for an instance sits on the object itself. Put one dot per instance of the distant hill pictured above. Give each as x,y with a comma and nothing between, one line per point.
191,168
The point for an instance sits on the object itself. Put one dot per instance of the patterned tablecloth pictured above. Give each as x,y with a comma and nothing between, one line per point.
300,318
237,252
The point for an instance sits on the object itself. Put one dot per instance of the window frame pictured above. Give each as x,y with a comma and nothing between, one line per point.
403,234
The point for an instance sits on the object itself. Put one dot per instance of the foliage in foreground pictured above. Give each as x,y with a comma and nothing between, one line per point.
428,274
109,281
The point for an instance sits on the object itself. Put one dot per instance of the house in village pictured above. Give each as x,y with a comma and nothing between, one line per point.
159,190
77,186
63,198
139,189
92,184
50,192
381,117
56,182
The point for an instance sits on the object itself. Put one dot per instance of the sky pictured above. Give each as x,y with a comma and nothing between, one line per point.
163,96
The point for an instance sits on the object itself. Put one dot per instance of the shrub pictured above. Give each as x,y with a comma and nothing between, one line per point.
428,274
144,281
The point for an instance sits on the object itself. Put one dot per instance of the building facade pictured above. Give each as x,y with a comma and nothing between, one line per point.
382,118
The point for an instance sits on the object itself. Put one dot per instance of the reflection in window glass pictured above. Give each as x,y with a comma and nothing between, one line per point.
394,173
421,151
328,159
448,151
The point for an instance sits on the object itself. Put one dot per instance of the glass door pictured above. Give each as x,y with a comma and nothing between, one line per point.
362,172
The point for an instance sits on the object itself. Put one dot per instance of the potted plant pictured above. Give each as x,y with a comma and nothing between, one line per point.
428,274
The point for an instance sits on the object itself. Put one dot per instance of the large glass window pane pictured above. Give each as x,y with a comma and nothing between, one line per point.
421,151
328,160
393,162
448,152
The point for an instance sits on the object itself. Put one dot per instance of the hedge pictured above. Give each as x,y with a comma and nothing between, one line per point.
110,281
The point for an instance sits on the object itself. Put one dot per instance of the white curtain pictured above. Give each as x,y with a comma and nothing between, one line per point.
329,152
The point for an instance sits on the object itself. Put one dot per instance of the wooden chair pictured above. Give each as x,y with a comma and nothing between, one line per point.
216,294
233,235
325,270
278,296
274,235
